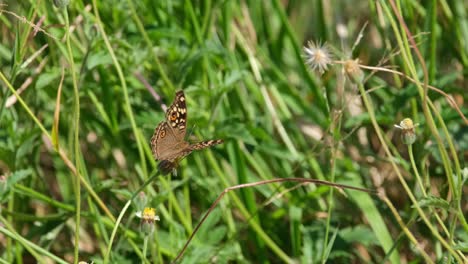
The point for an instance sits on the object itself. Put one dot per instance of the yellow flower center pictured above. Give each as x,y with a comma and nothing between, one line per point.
407,123
149,213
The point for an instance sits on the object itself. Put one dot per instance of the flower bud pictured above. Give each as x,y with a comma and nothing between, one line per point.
353,71
408,133
140,201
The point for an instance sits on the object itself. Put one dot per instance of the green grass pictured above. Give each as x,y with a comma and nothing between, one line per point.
77,112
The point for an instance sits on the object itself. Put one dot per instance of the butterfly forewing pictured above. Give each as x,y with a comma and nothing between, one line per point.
205,144
168,138
176,116
200,146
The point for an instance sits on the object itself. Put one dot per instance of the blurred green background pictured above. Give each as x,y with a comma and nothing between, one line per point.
242,67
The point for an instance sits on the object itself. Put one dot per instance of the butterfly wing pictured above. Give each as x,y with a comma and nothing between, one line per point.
200,146
157,140
168,141
205,144
176,116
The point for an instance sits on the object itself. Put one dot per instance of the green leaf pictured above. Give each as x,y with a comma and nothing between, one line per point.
46,78
360,234
239,131
463,246
7,156
375,219
432,201
209,224
5,53
17,176
99,58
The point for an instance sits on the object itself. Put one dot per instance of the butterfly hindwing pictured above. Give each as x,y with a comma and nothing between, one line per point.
159,134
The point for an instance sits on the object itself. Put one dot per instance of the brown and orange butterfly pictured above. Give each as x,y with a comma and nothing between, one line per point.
168,142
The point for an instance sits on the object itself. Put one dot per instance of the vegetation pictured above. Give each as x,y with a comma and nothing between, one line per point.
310,90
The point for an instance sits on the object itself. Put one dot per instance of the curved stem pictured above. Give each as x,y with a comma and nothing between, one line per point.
32,248
421,185
407,231
415,169
370,110
60,151
254,224
122,213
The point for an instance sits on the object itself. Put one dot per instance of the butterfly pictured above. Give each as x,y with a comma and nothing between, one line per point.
168,141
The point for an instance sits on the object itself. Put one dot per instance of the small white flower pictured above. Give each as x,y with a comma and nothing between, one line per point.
148,215
148,218
317,56
406,124
408,134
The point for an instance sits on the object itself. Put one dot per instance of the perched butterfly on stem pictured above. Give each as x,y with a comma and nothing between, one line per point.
168,142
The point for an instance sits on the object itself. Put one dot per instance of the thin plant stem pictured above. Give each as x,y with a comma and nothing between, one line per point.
31,247
123,83
421,186
122,213
329,212
76,143
240,205
330,203
407,231
145,247
149,43
460,213
415,169
25,106
60,151
256,68
404,39
283,256
370,110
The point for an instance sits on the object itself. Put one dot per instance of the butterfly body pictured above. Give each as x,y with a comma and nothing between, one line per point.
168,142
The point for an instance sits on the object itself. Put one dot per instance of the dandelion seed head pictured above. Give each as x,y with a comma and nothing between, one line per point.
317,56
